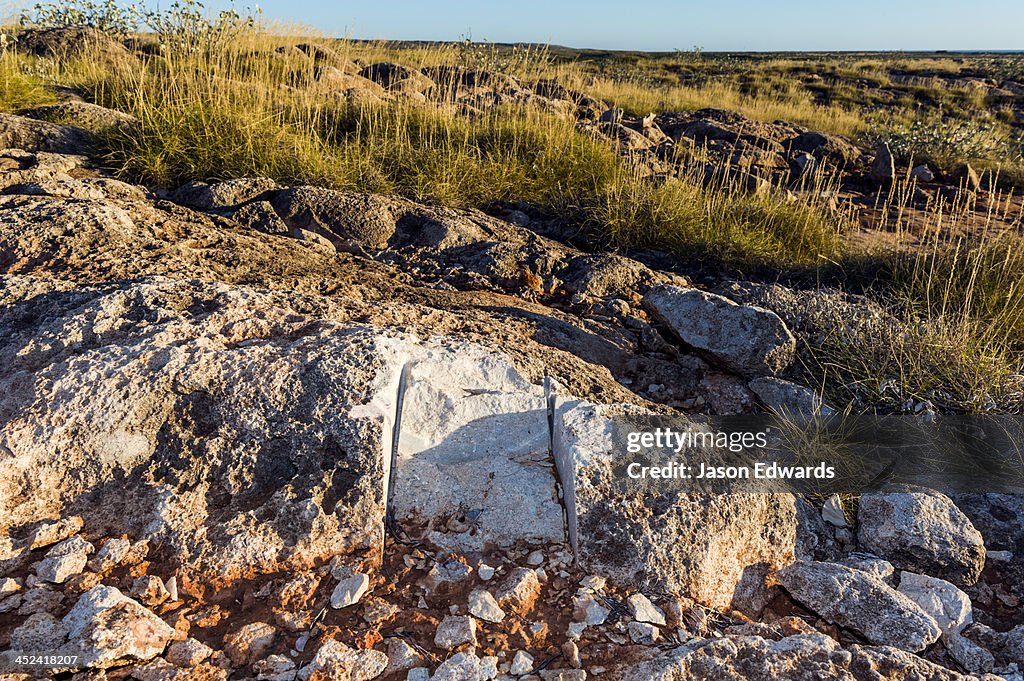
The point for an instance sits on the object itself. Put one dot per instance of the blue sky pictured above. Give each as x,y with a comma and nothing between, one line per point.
663,25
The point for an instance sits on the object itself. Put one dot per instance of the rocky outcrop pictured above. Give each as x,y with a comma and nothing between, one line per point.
17,132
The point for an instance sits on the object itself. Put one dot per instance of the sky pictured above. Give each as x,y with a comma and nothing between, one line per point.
660,25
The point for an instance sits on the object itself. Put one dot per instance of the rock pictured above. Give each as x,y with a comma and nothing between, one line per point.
275,668
947,605
260,215
643,633
18,132
51,533
563,675
486,572
484,606
749,340
249,643
922,173
223,195
397,77
659,538
150,590
349,221
855,599
803,657
832,512
519,591
111,554
644,611
41,633
64,560
455,630
106,628
883,168
968,654
872,565
63,42
40,599
459,667
815,539
349,591
402,656
418,674
1007,647
188,653
784,397
571,654
921,531
967,177
835,149
589,610
8,586
335,661
83,114
522,663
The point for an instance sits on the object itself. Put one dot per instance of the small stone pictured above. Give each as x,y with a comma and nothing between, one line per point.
39,633
563,675
522,663
589,610
535,558
571,653
644,611
575,630
249,643
485,571
188,653
402,656
832,512
483,605
111,554
150,590
335,660
876,567
922,173
64,560
172,588
275,668
8,586
51,533
463,666
592,583
489,667
643,633
454,631
519,591
418,674
349,591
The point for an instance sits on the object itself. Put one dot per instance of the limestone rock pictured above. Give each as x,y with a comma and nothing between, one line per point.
350,590
883,168
785,397
921,531
463,666
661,538
483,605
188,653
335,661
223,195
86,115
249,643
51,533
519,591
66,559
111,553
644,611
856,600
107,629
749,340
350,221
40,633
455,630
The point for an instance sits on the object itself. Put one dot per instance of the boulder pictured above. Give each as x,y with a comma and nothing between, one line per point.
86,115
861,602
834,149
883,167
921,531
397,77
749,340
223,195
63,42
785,397
106,628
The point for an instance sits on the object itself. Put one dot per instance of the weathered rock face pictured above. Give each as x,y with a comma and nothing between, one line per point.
749,340
804,657
856,600
227,434
921,531
661,538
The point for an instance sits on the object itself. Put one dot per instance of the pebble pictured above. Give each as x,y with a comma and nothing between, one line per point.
418,674
349,591
522,663
571,653
644,611
483,605
454,630
535,558
643,633
485,571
